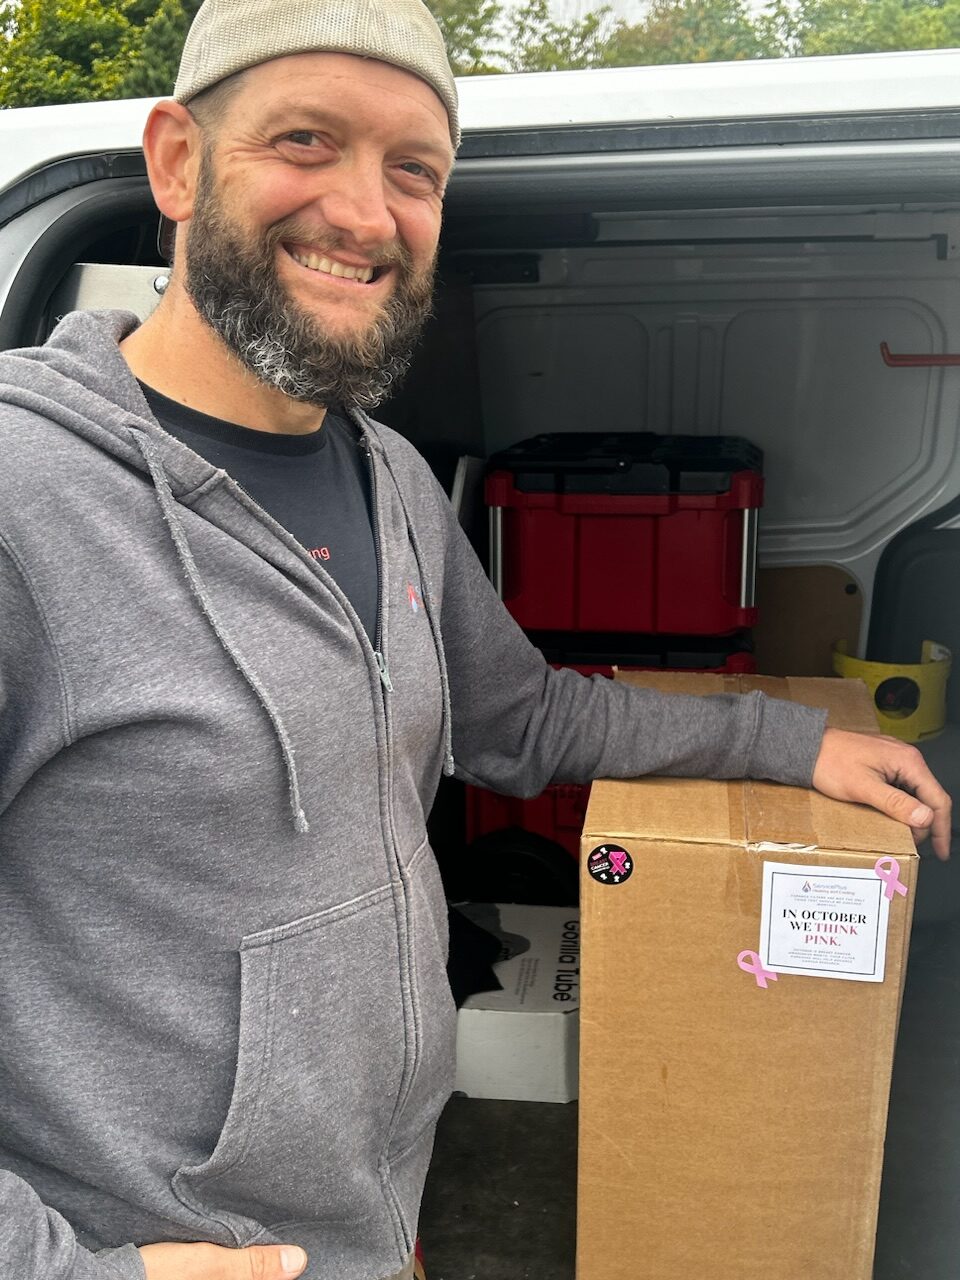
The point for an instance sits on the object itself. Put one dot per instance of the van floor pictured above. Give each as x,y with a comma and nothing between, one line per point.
500,1202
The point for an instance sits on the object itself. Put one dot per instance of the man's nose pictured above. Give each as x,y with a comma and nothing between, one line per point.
356,203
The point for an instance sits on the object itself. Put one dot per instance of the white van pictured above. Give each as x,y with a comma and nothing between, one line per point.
765,249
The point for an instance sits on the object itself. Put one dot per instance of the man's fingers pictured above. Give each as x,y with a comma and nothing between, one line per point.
900,805
887,774
268,1262
211,1262
932,804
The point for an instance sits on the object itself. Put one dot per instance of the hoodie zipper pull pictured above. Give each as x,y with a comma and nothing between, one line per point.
384,673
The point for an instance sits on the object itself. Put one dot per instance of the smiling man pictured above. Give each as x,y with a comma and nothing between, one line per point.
312,193
226,1032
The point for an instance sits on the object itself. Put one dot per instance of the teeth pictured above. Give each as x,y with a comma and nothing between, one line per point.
330,268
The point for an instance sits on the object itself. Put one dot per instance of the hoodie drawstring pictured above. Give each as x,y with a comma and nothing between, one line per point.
168,506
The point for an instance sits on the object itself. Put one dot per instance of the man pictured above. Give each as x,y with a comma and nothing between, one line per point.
242,639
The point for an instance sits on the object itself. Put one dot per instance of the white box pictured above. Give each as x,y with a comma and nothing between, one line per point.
522,1042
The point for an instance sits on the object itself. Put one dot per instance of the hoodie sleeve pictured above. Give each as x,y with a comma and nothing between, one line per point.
36,1243
518,724
34,713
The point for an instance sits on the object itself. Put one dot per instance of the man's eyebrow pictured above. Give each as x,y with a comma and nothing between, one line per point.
295,109
293,115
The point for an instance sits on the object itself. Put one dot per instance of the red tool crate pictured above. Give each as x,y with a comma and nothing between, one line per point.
626,532
558,812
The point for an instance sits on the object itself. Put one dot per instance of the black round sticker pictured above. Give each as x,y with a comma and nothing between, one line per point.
610,864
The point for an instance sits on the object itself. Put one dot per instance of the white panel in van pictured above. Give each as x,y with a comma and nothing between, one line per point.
777,342
556,368
848,442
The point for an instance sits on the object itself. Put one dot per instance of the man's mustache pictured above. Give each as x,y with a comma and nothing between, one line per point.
291,231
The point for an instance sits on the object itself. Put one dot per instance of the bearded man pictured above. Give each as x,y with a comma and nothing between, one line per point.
226,1027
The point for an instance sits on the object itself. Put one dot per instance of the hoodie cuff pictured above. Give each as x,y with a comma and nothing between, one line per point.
787,742
125,1263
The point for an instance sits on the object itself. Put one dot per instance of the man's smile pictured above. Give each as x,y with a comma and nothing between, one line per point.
320,263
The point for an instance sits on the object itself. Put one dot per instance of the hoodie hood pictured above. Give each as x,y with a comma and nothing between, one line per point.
124,427
104,400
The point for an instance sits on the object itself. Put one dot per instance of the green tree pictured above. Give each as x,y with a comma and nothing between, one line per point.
67,50
55,49
470,31
677,31
151,55
535,41
807,27
81,50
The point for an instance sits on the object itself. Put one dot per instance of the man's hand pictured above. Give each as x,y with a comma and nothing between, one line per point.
210,1262
888,774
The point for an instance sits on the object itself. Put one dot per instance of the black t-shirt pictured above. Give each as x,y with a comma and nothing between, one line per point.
317,486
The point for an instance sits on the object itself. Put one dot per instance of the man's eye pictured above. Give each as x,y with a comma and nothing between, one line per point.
418,171
302,137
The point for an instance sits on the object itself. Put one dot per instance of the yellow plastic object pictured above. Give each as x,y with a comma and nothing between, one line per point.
910,698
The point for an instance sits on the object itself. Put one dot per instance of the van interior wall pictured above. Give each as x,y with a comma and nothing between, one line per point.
764,327
765,324
438,404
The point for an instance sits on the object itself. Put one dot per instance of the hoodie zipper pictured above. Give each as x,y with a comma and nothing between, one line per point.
411,1018
378,634
384,673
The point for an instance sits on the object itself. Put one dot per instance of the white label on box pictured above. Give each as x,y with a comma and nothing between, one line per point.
824,922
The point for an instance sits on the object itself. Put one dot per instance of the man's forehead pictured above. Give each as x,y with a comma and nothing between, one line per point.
315,88
315,82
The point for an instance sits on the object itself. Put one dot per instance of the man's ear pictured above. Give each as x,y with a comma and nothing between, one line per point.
172,145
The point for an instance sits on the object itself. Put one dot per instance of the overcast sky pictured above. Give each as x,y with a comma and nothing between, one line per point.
632,10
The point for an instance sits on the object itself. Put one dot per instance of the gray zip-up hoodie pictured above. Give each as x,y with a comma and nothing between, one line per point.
224,1014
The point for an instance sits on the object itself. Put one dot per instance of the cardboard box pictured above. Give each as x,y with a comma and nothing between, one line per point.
732,1121
521,1042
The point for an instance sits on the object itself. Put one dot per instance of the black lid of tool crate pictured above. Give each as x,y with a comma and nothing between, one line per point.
626,462
672,653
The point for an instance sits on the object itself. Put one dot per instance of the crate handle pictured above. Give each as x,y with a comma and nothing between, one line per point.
917,361
748,559
495,518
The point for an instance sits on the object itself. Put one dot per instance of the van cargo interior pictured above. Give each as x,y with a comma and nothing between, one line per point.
802,294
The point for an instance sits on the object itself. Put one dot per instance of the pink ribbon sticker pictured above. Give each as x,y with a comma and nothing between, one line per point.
750,962
888,869
618,859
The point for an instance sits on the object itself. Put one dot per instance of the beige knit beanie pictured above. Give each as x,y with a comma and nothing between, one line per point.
231,35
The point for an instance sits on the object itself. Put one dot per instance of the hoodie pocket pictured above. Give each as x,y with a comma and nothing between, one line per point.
319,1065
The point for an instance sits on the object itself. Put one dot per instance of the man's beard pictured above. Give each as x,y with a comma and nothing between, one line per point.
232,280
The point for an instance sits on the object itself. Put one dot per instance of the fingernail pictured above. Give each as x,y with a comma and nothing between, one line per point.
921,816
292,1261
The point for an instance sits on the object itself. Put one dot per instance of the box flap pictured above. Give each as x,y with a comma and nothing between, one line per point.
747,812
